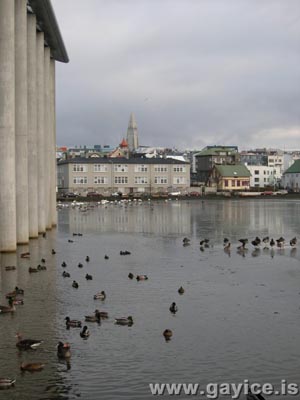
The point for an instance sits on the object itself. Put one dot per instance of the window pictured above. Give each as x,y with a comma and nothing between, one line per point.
245,183
161,168
226,182
256,172
178,180
178,168
238,183
256,179
121,168
232,182
100,168
100,180
140,180
79,168
80,180
121,179
140,168
161,180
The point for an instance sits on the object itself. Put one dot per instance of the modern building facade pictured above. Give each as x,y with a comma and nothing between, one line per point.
30,44
263,176
133,175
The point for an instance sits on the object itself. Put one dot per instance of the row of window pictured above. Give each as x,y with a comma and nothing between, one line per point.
123,180
236,183
124,168
268,172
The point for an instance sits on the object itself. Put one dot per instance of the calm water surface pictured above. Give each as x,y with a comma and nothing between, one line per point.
238,318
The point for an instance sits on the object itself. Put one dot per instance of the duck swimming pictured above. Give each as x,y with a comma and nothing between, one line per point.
80,265
31,367
141,277
88,277
167,334
173,308
26,344
66,274
181,290
106,257
75,285
53,251
130,275
85,333
293,242
124,321
87,258
63,264
63,350
94,318
6,383
8,309
100,295
73,323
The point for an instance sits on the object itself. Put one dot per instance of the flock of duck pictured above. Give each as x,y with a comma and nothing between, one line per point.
16,297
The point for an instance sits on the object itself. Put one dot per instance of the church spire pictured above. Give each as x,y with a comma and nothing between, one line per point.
132,134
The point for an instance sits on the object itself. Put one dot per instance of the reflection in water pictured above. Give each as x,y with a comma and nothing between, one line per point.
227,293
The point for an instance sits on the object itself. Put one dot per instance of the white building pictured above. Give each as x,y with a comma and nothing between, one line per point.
263,176
291,177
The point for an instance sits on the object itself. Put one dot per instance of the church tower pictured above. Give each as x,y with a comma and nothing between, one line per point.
132,134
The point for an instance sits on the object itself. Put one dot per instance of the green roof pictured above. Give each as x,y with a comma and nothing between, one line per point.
233,170
294,168
216,150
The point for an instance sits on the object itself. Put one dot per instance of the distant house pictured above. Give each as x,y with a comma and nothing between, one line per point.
230,177
291,177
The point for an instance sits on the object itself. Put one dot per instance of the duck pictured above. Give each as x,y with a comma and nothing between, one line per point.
227,246
243,241
142,277
8,309
130,275
173,308
80,265
26,344
266,239
185,240
63,264
25,255
73,323
181,290
15,293
106,257
44,234
6,383
87,258
280,242
94,318
18,302
31,367
272,242
293,242
88,277
63,350
53,251
124,321
10,268
41,267
75,285
100,295
225,241
32,270
43,260
66,274
71,241
85,333
167,334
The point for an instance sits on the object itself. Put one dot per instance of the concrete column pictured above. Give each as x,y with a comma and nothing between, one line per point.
32,127
7,127
40,131
53,144
21,121
47,134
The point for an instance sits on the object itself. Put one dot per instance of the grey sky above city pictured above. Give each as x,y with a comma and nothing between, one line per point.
194,72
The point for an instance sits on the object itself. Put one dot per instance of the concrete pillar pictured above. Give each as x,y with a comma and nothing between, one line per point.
47,134
7,127
53,144
21,121
32,127
40,131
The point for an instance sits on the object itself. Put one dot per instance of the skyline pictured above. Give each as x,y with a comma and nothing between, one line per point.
222,72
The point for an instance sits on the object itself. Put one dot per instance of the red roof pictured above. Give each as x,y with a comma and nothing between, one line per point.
124,143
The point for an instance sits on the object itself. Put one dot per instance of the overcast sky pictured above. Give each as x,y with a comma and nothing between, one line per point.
194,72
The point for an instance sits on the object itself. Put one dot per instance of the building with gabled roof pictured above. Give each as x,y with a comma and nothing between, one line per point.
291,177
230,177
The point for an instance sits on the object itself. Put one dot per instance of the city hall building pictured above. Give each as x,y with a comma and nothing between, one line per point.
30,45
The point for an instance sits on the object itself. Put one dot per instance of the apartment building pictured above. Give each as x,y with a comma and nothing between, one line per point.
264,176
110,175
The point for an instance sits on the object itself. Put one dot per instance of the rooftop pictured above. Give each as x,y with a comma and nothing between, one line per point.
216,150
121,160
233,170
47,23
294,168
